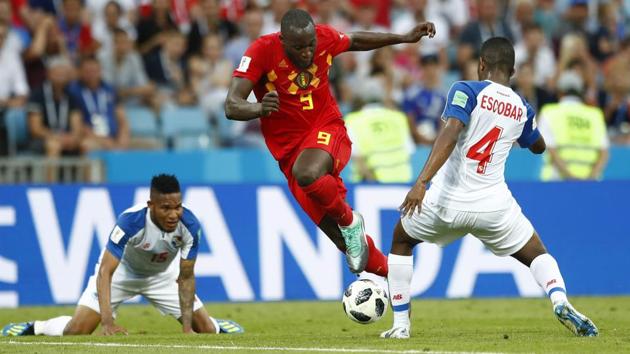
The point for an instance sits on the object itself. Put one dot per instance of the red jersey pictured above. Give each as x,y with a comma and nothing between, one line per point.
306,101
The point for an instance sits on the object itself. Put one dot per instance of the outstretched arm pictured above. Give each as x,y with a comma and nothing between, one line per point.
372,40
238,108
109,263
442,149
186,282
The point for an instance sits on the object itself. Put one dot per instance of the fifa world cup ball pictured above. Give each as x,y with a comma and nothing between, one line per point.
364,301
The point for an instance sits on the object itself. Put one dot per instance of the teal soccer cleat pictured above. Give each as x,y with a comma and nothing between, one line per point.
576,322
18,329
356,244
229,327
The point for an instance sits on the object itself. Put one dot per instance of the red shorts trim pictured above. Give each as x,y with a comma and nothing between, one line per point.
332,138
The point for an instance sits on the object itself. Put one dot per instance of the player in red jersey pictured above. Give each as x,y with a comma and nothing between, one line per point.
302,125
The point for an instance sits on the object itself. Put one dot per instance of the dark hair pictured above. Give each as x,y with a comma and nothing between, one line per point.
119,32
532,26
88,58
116,5
295,18
498,54
165,184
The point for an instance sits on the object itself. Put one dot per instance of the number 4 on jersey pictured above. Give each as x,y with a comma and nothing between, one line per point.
482,150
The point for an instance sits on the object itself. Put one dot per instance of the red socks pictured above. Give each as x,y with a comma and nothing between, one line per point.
377,261
324,191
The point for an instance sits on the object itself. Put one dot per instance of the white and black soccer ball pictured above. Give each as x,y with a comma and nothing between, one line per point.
364,301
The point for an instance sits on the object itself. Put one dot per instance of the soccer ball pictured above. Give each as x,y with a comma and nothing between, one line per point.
364,301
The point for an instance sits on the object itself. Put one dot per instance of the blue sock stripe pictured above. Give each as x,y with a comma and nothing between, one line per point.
557,288
403,307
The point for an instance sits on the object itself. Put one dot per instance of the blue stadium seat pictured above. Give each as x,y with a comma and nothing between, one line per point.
142,122
186,128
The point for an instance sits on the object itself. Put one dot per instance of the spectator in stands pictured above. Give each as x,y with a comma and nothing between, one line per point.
277,9
123,69
329,12
46,40
166,68
18,38
210,75
382,146
604,42
76,34
365,20
522,15
417,14
210,22
54,116
617,85
489,24
546,16
575,133
454,11
534,49
525,85
151,28
574,54
109,16
381,75
424,102
13,93
252,28
105,122
575,19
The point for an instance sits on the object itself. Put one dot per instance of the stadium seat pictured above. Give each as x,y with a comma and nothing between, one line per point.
186,128
142,122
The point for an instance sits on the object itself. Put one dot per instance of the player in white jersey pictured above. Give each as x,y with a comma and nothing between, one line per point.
468,193
138,260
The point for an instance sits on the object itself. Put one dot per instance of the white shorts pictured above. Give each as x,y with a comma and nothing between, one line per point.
503,232
161,290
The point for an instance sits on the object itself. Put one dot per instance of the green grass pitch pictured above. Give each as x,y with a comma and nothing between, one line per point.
482,325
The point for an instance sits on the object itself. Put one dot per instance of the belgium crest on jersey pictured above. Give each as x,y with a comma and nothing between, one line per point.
303,79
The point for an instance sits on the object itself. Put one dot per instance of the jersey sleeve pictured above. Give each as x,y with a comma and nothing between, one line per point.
530,131
338,42
127,225
252,63
460,102
190,245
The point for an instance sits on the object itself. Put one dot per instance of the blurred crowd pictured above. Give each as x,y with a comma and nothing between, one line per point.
74,73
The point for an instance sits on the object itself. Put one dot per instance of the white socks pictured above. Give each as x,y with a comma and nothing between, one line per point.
546,272
399,279
51,327
216,325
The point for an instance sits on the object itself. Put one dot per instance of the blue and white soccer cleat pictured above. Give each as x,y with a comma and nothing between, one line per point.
576,322
18,329
397,333
356,244
229,327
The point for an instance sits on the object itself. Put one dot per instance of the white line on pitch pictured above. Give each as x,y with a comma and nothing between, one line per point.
220,347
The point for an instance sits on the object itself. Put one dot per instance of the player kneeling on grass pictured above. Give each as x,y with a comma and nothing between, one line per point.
137,261
469,194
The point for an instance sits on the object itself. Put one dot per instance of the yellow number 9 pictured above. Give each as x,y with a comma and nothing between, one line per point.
307,97
323,138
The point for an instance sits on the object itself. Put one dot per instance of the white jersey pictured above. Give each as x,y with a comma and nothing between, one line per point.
472,179
144,249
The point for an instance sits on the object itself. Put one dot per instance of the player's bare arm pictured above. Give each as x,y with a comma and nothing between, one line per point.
238,108
361,41
442,149
186,282
109,263
539,146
